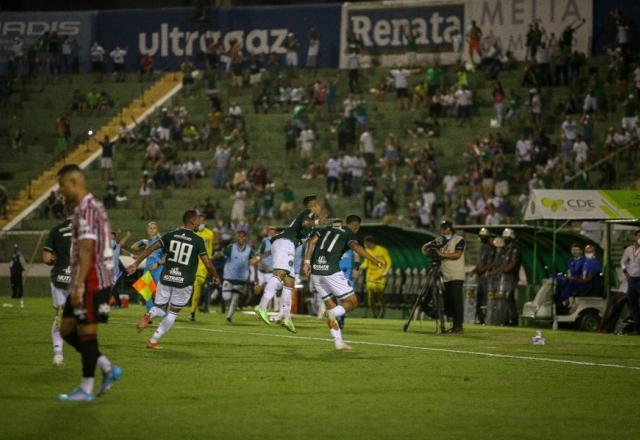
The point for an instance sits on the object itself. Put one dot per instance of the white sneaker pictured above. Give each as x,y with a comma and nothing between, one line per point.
341,345
58,360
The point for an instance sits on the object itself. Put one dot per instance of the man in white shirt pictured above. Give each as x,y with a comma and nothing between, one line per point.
346,161
358,165
401,84
542,65
568,127
306,139
524,149
630,264
333,173
580,151
353,67
449,183
464,101
367,146
117,55
97,60
476,205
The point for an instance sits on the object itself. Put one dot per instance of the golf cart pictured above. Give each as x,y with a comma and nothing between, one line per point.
583,311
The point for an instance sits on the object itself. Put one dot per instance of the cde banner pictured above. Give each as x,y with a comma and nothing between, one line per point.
380,26
171,34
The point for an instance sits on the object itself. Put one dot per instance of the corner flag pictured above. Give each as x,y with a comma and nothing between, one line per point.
145,285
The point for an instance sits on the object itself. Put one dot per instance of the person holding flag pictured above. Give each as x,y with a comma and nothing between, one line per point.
154,261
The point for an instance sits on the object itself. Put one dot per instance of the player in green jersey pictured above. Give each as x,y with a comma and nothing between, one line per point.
55,253
283,247
183,249
322,260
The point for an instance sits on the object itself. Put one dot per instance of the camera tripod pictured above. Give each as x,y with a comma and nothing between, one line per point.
431,298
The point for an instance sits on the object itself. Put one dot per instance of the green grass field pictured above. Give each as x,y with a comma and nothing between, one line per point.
213,380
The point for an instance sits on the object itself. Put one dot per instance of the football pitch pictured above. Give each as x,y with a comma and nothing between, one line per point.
247,380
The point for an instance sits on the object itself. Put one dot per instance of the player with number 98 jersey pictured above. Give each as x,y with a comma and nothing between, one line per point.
183,249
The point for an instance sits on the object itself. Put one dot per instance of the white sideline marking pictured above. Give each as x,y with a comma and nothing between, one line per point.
415,347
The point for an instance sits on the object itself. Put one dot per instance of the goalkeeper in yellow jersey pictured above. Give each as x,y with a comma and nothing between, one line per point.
376,276
209,238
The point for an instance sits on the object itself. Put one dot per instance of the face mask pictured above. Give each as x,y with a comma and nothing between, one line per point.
201,227
576,255
448,236
590,256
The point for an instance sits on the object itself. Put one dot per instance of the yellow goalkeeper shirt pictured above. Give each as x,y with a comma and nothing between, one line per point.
376,275
209,238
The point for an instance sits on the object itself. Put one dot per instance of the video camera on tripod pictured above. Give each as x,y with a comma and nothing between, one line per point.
430,299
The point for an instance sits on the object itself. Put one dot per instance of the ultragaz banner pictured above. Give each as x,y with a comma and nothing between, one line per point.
171,34
379,26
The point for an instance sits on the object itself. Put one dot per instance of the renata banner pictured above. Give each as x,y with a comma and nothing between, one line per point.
380,27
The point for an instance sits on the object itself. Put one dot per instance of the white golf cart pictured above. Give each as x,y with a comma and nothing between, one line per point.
586,310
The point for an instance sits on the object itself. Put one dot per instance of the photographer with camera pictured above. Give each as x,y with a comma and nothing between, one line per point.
451,252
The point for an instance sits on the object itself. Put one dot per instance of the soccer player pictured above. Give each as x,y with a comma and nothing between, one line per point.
323,262
376,276
265,266
209,238
237,270
89,285
155,259
183,249
283,247
56,253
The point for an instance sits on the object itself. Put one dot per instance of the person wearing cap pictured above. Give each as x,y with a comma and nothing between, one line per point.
452,254
481,271
237,271
511,270
630,264
209,238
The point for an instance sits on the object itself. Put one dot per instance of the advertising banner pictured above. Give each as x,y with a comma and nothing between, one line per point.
30,26
583,205
171,34
379,26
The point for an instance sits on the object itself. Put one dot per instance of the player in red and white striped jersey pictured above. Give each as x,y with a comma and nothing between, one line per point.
91,279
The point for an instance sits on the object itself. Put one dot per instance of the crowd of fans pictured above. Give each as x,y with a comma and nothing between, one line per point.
534,140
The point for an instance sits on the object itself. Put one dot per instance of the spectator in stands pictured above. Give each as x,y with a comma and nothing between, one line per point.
146,200
474,37
287,204
306,140
313,49
117,55
400,77
630,263
4,201
221,161
464,102
97,60
111,191
187,68
106,158
292,45
17,59
580,151
146,66
369,185
353,67
334,171
499,98
69,55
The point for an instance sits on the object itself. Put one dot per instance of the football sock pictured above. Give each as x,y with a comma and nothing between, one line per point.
56,338
155,311
270,290
87,384
164,326
89,347
286,302
149,304
235,298
337,311
74,340
103,363
336,334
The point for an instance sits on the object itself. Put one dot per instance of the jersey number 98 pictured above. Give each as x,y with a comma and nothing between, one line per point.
180,252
